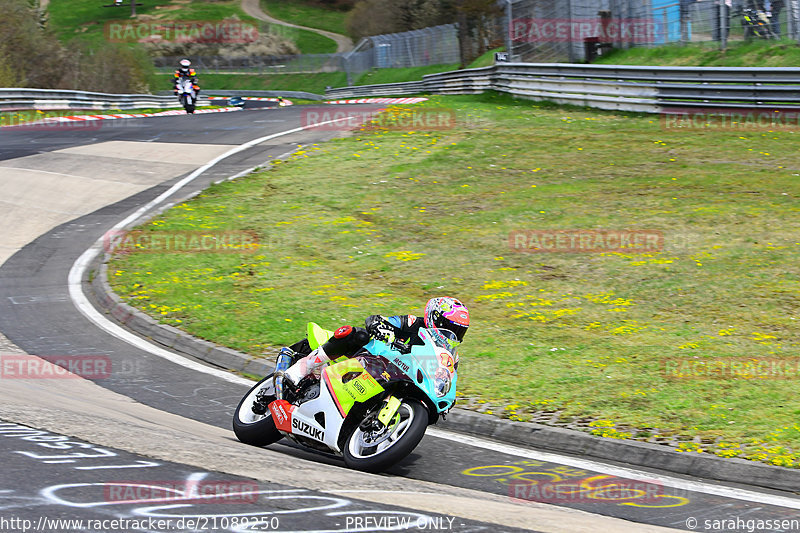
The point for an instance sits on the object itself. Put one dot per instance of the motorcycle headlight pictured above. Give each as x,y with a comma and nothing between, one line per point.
442,382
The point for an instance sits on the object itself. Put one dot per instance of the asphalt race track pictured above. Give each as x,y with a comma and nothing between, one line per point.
152,426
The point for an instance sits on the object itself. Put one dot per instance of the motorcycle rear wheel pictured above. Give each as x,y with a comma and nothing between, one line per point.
253,429
375,451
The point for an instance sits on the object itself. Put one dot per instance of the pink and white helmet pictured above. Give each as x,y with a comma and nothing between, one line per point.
447,313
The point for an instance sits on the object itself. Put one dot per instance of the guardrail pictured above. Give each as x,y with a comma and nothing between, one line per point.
614,87
270,94
384,89
51,99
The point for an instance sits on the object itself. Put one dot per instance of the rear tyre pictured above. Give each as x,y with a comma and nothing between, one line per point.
376,450
252,428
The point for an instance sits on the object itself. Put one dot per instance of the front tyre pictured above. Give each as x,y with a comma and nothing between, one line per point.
374,449
250,427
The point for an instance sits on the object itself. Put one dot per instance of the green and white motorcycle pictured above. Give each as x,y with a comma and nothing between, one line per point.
371,409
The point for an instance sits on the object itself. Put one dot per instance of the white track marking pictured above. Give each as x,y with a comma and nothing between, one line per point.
83,305
251,169
620,471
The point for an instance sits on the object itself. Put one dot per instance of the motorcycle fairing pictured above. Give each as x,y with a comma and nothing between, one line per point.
420,367
302,419
387,413
337,395
346,393
317,336
282,414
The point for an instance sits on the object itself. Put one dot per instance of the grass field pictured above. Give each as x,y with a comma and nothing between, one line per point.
380,221
739,54
313,43
312,16
395,75
86,19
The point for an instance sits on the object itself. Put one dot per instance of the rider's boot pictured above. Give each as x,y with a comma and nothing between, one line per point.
305,366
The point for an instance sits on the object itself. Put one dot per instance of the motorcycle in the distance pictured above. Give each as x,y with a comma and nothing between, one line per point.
187,95
757,23
371,409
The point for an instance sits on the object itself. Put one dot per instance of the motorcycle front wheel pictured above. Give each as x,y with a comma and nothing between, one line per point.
252,428
373,449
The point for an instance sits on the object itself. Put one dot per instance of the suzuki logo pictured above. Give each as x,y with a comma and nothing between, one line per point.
306,429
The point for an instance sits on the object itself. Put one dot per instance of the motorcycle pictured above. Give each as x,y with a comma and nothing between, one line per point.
371,409
757,23
187,95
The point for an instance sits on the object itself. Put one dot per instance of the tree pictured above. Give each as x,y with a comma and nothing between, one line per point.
476,20
377,17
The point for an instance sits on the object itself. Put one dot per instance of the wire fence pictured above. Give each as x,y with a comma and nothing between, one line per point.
437,45
566,31
580,30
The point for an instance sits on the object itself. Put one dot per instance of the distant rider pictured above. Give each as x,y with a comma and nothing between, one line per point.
184,71
401,331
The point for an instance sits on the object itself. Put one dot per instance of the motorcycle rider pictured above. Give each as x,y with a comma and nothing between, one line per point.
183,72
401,331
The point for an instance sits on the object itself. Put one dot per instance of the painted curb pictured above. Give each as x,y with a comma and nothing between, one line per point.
56,122
546,438
400,100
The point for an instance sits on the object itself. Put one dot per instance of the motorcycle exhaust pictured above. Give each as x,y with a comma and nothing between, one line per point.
282,364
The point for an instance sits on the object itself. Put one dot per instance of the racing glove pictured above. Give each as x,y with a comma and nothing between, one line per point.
380,329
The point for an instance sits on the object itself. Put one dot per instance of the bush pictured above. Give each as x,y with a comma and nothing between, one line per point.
7,76
31,56
110,69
